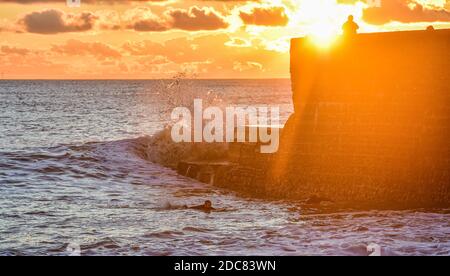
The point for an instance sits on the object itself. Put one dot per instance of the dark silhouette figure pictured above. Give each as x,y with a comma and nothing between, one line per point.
430,28
350,27
205,207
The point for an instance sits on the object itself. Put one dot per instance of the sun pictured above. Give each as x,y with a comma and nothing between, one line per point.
322,20
323,35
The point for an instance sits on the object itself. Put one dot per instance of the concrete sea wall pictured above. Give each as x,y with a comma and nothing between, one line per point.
371,127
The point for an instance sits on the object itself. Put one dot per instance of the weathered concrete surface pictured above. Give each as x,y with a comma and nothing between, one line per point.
371,122
243,169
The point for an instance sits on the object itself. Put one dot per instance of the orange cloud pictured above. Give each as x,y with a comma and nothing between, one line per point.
193,19
265,16
238,42
78,48
55,21
83,1
213,55
405,11
8,50
197,19
225,48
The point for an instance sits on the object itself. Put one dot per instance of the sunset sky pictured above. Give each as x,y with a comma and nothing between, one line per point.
124,39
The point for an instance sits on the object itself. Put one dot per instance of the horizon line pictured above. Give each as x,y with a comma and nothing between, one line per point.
148,79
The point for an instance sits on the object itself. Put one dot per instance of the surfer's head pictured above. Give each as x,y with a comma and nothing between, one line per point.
208,204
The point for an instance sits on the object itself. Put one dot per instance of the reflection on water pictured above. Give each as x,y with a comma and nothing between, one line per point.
71,173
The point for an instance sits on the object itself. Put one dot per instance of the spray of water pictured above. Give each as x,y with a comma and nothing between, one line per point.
180,91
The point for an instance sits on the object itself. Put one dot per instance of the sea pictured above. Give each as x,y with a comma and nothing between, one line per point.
74,179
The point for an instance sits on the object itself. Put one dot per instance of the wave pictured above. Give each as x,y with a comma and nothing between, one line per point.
95,160
161,149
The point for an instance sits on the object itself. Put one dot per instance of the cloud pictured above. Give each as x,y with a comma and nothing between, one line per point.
150,24
247,66
238,42
214,55
196,19
9,50
265,16
53,21
211,56
75,47
83,1
193,19
404,11
108,20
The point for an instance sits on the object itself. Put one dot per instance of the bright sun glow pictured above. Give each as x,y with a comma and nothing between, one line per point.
323,35
322,20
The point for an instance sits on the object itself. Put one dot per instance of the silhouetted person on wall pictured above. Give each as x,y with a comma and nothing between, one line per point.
350,28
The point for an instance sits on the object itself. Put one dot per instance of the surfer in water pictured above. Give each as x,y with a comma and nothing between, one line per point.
205,207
